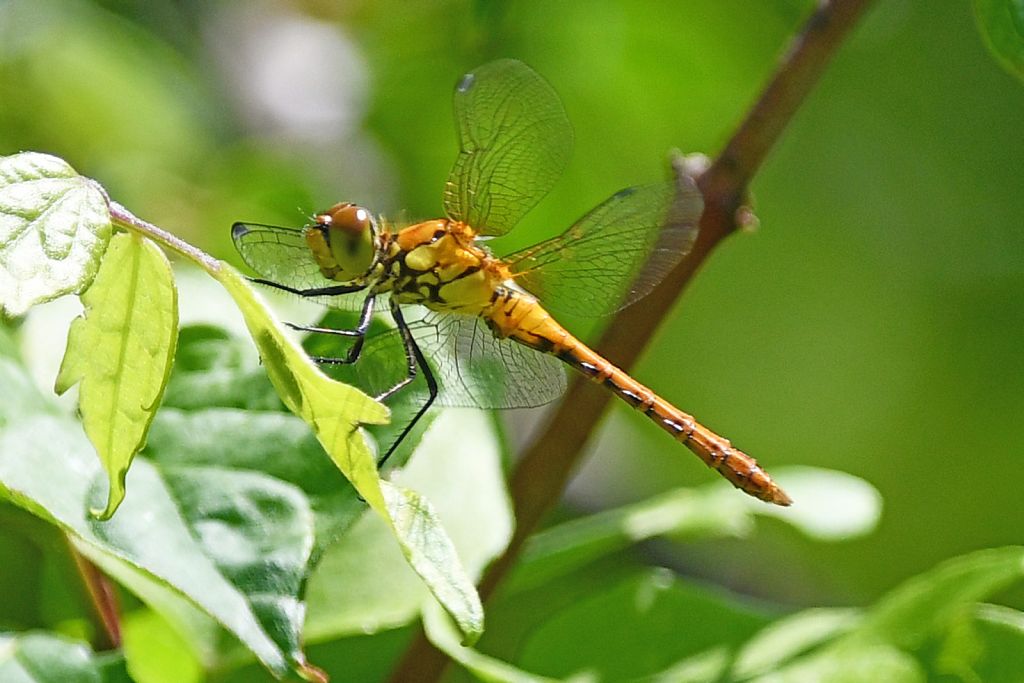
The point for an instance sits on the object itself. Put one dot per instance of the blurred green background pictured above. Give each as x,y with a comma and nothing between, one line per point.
873,324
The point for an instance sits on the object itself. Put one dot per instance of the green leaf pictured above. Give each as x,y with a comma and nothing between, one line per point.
47,658
364,585
203,636
1002,26
121,350
432,555
19,398
445,638
220,450
212,369
849,507
638,626
928,603
272,443
236,546
54,227
335,411
230,416
931,605
988,645
209,441
258,532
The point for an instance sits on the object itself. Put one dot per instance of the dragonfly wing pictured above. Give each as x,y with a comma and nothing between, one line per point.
615,254
514,142
474,369
281,255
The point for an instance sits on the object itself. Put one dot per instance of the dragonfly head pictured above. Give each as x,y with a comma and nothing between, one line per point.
344,241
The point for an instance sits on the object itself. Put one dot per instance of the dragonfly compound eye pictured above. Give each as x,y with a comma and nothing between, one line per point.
349,232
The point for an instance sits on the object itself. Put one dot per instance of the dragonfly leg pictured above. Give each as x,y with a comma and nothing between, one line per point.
413,355
359,332
414,358
324,330
315,291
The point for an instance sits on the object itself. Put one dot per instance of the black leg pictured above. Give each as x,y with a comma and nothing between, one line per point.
316,291
323,330
359,333
413,357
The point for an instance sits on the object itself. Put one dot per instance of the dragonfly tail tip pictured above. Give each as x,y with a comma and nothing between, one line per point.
779,497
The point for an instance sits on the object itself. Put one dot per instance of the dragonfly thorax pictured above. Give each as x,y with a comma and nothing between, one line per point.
438,264
344,242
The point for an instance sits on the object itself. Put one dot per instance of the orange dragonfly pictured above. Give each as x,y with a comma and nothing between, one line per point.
484,321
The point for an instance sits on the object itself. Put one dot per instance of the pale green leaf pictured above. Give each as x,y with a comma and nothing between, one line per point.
851,665
706,667
335,411
432,555
20,398
155,652
48,658
1002,26
121,350
791,636
54,227
707,512
830,506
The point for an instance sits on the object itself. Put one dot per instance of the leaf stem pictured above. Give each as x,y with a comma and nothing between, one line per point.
544,470
103,597
126,219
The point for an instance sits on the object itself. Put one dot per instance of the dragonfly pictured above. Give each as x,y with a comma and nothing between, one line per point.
486,323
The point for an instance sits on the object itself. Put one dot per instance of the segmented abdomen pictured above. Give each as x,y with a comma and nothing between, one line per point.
539,330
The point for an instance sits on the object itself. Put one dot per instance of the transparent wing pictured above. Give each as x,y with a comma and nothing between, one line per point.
474,369
615,254
281,255
514,141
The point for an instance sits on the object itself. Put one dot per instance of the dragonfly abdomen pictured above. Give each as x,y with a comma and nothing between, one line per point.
716,451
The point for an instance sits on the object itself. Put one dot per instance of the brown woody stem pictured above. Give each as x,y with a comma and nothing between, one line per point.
543,472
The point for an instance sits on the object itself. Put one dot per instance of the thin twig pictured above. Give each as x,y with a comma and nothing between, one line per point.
544,470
